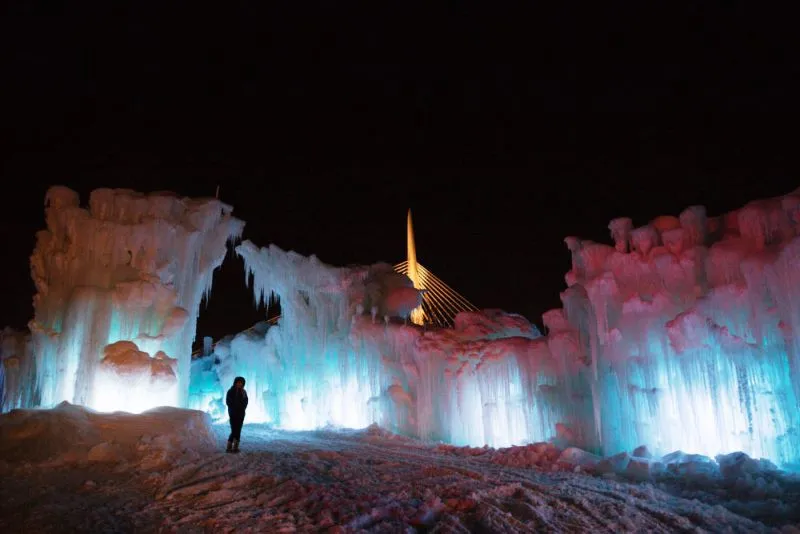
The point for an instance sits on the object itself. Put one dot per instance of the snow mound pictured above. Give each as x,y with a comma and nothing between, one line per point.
69,434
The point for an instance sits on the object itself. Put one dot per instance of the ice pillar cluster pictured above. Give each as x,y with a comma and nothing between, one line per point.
119,286
690,326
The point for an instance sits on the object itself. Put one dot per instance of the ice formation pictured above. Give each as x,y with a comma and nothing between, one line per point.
16,370
331,361
689,323
680,337
119,287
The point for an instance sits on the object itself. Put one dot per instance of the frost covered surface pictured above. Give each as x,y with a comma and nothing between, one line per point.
141,475
131,267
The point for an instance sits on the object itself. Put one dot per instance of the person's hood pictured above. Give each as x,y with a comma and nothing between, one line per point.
239,378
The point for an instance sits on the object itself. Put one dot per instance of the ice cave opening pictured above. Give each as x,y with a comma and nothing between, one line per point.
681,335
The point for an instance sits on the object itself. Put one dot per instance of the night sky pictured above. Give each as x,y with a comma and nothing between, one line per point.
503,131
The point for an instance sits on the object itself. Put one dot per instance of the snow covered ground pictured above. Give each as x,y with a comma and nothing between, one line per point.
69,469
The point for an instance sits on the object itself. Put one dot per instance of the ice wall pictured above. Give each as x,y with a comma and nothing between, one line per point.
16,370
680,336
343,354
491,380
305,371
457,386
689,324
119,285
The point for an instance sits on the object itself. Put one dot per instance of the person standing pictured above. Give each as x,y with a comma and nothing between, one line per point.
236,400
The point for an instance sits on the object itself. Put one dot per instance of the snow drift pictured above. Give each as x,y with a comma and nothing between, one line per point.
69,434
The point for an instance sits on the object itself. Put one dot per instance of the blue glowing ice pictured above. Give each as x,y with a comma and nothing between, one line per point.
682,336
679,337
690,333
132,269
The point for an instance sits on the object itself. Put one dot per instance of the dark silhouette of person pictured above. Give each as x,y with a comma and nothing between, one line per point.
236,399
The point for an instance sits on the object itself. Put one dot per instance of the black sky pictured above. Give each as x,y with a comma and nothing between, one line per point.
503,130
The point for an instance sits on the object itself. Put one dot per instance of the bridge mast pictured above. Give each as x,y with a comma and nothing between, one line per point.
418,314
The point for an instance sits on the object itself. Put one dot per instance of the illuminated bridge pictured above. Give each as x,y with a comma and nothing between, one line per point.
440,303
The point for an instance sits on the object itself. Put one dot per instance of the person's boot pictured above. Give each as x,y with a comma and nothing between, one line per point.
236,445
230,446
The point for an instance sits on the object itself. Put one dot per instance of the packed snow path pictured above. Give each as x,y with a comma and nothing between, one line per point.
343,482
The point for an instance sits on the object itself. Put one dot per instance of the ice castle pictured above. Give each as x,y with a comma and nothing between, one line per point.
679,335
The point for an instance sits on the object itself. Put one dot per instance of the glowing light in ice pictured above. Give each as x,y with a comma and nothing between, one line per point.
131,267
683,335
132,381
680,336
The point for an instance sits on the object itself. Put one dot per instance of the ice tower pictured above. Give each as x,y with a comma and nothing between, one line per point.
119,287
690,327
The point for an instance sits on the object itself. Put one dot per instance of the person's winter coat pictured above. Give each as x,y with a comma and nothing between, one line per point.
236,399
